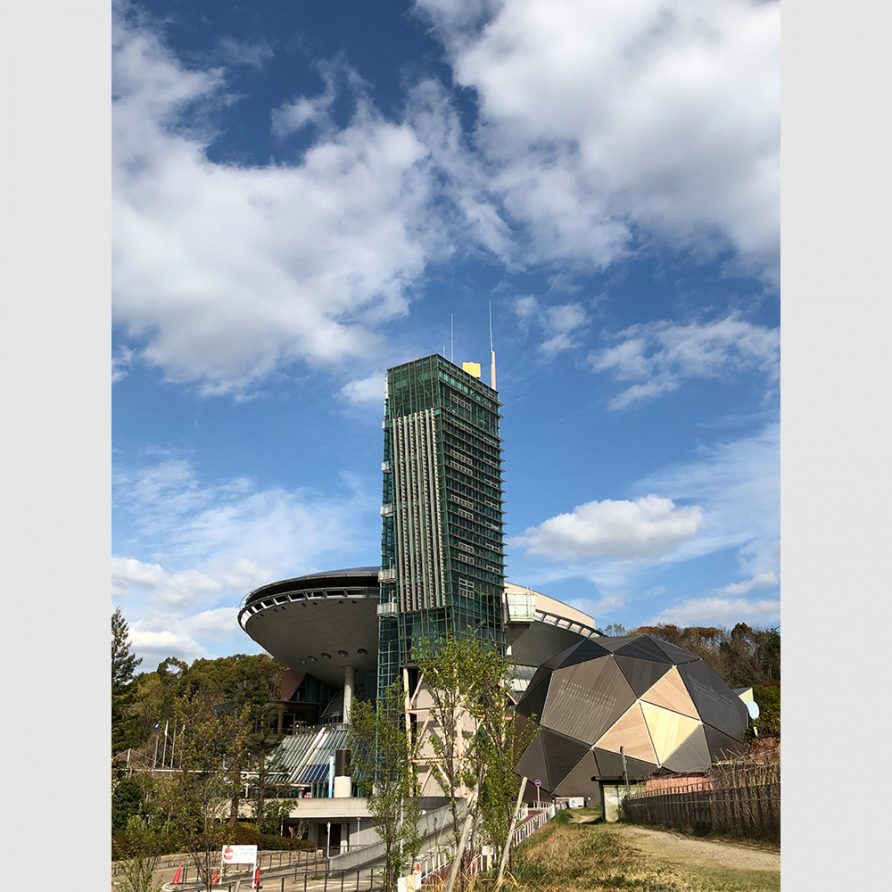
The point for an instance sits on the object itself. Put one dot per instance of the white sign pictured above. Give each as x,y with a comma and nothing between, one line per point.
576,802
239,854
537,782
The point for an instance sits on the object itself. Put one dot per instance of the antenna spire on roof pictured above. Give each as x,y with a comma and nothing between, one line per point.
492,353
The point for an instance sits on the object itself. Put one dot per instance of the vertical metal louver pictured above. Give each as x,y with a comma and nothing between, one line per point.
419,524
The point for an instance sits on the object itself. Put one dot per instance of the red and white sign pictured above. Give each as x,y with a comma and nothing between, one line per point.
239,854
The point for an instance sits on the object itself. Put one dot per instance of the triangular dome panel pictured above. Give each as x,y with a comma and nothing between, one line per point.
610,765
532,763
561,755
644,648
533,700
614,644
721,746
692,755
586,699
642,674
558,658
587,650
630,732
670,692
677,654
668,730
582,779
716,703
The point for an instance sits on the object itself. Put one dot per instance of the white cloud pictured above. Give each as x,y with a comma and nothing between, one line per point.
173,589
127,571
762,580
603,118
738,485
460,176
207,534
188,551
720,612
154,645
657,357
735,486
646,528
220,622
303,110
223,273
368,391
559,325
606,605
121,362
237,52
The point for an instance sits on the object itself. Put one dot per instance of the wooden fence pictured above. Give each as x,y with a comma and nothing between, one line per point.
743,800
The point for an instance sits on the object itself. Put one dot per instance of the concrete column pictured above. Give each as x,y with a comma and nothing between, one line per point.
349,678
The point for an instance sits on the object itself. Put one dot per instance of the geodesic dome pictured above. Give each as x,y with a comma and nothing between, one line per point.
666,708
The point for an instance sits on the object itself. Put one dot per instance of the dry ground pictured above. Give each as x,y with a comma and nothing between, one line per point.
576,856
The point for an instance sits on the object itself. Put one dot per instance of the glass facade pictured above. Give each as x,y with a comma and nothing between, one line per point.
442,544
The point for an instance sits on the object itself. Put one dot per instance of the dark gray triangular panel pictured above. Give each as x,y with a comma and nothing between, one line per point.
532,763
715,701
582,780
586,699
645,648
558,658
610,766
614,644
692,755
676,654
533,700
561,754
721,746
641,674
587,650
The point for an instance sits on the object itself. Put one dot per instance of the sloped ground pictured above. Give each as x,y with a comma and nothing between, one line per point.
597,857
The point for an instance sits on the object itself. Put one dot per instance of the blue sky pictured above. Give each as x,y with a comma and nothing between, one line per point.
305,193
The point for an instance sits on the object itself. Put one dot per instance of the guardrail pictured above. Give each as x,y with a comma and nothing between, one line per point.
272,858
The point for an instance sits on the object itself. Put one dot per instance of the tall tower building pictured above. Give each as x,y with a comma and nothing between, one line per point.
442,545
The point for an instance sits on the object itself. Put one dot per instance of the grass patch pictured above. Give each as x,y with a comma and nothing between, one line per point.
576,857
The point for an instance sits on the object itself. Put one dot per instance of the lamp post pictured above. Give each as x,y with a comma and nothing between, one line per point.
625,769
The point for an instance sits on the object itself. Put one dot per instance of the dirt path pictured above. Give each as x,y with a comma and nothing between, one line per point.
690,851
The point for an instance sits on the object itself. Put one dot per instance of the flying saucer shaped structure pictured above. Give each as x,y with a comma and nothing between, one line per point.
637,696
322,623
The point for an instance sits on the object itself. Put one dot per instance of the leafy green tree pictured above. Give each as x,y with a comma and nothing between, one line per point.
123,665
769,699
452,669
131,797
501,737
141,849
383,767
195,799
242,683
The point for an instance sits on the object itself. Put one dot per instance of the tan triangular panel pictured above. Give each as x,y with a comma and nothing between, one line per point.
668,730
630,732
671,693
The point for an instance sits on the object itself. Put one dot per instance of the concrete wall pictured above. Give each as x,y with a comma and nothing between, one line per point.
611,797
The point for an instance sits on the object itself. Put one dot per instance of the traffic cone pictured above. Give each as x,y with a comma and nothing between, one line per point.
215,878
256,879
177,877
